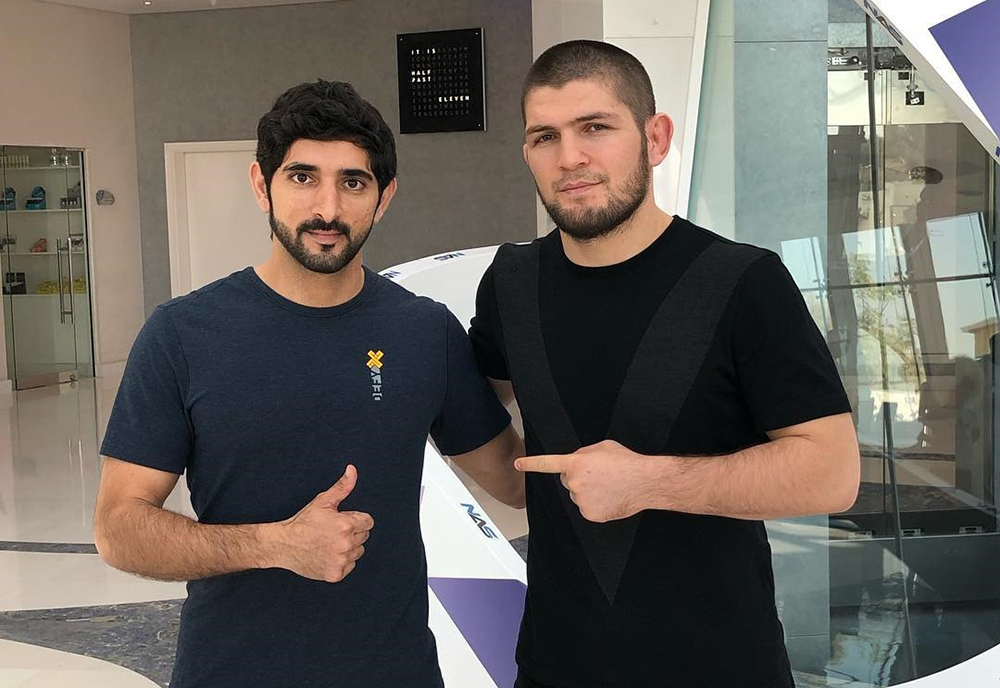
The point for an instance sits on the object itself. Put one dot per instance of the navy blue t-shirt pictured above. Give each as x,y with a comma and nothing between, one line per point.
264,402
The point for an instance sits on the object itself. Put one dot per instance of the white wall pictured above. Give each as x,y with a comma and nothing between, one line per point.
67,81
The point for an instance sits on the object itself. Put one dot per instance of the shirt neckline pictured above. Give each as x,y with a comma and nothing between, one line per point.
367,289
637,262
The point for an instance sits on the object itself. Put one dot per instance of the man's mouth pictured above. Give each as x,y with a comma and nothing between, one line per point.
578,187
326,238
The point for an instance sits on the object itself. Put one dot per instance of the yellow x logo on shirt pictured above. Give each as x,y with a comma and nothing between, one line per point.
375,359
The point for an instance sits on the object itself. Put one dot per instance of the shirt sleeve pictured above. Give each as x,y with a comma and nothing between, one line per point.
785,370
149,423
471,414
485,331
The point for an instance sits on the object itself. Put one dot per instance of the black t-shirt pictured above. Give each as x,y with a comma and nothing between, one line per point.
263,402
695,605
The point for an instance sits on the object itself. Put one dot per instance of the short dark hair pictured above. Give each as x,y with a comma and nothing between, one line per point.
325,111
594,61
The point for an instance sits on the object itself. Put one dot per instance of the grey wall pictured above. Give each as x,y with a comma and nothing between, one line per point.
205,76
781,113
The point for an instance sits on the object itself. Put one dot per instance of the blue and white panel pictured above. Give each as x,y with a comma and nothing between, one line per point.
955,45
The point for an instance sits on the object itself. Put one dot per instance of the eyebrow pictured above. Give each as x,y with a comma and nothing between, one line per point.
344,172
300,167
538,128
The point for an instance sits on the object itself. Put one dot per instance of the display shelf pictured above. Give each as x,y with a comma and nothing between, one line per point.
46,168
38,253
40,212
47,296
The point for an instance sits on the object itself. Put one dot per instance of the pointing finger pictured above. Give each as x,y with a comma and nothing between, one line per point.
545,463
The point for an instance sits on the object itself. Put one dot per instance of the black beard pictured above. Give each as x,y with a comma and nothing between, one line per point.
592,224
326,262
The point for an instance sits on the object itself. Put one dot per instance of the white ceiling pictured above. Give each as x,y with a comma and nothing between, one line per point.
137,6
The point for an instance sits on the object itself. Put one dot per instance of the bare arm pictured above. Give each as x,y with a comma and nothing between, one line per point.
504,391
810,468
134,533
492,466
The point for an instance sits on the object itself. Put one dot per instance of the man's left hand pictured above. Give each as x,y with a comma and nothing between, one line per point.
602,479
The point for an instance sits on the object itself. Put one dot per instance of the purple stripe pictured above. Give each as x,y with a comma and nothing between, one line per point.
971,40
488,614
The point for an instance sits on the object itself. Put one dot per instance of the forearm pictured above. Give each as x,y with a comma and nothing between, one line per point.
783,478
492,467
502,482
141,538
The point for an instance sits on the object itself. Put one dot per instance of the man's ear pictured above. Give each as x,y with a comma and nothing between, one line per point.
259,185
387,196
659,135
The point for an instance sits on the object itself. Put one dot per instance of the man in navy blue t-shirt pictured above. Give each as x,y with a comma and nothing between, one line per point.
298,397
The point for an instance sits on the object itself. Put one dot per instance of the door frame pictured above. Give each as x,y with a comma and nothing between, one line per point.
178,229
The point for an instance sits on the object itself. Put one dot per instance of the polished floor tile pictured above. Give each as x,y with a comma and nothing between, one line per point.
33,580
29,666
49,462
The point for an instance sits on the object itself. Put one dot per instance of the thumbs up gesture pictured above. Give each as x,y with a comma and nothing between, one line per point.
321,542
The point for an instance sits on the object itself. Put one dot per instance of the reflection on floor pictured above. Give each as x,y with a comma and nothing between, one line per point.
41,580
49,465
869,642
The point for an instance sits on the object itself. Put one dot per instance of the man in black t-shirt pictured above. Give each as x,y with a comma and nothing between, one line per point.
675,393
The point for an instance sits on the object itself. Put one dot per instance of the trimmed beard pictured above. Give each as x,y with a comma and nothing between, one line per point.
326,261
595,223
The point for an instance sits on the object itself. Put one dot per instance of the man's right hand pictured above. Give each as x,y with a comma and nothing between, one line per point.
321,542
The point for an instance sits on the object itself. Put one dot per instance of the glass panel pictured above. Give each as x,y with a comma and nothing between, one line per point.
915,308
906,599
37,266
907,302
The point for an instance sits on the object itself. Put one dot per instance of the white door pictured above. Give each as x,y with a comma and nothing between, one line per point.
214,224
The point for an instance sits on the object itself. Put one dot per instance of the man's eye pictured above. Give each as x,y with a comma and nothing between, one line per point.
355,184
598,127
544,138
300,178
